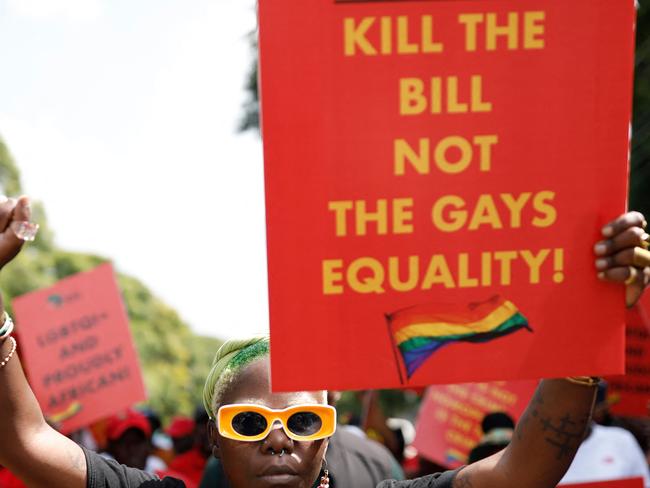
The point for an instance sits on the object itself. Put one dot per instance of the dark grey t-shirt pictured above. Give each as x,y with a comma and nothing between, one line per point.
438,480
105,473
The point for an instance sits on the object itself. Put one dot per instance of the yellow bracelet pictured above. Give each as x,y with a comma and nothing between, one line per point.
583,380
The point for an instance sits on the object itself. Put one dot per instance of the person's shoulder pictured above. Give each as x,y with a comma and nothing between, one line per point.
438,480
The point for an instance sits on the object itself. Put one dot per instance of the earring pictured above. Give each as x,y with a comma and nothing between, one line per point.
325,480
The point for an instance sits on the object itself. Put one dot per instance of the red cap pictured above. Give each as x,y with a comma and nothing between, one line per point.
180,427
130,419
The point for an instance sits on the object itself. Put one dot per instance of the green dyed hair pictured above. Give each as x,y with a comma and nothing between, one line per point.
231,357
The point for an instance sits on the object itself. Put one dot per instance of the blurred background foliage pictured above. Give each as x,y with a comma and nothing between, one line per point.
174,360
640,174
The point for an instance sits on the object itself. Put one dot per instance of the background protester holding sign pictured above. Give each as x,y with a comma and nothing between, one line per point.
544,443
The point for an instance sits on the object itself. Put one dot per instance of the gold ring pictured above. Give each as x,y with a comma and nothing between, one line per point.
641,257
633,274
645,241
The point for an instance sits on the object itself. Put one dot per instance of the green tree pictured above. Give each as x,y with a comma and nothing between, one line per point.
251,109
640,171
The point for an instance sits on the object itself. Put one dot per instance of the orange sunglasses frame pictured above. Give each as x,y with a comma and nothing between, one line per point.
227,413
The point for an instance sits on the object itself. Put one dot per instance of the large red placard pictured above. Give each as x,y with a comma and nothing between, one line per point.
437,173
77,348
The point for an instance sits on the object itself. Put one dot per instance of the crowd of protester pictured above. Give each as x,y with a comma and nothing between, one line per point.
182,449
187,451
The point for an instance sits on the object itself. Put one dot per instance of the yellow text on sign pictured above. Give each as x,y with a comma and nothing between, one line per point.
368,274
358,211
465,150
441,95
409,35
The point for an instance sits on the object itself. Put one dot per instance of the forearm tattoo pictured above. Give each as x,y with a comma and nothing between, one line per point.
532,411
463,480
564,433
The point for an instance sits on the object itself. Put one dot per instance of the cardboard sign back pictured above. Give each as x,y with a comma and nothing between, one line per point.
77,348
437,173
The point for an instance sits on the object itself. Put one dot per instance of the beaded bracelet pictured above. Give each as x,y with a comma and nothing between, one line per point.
583,380
7,327
11,353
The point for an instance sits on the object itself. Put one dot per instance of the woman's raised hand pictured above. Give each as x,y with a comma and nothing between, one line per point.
622,255
30,448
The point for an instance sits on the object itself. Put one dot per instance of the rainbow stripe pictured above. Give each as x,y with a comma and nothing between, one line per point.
420,331
454,456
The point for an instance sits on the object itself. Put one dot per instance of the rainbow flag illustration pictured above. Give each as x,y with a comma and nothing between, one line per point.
454,457
420,331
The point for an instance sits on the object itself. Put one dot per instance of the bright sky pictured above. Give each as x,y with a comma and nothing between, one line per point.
122,117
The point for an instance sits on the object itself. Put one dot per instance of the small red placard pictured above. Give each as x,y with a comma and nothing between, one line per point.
449,421
77,348
630,394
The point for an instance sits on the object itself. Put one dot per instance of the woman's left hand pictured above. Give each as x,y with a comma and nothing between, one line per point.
622,256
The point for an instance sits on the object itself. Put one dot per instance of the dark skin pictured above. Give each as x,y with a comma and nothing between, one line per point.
183,444
253,464
543,446
132,449
202,438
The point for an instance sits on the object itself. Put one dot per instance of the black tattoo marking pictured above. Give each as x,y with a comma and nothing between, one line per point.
532,411
566,435
521,425
463,480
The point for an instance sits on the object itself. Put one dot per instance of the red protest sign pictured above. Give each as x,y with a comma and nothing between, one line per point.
449,421
630,394
436,176
77,348
626,483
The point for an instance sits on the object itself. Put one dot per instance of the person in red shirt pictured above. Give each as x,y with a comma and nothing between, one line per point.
128,436
8,480
189,463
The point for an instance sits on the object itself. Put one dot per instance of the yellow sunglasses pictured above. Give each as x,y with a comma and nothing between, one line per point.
249,422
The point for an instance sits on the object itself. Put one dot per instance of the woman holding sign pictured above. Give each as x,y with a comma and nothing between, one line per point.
269,439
